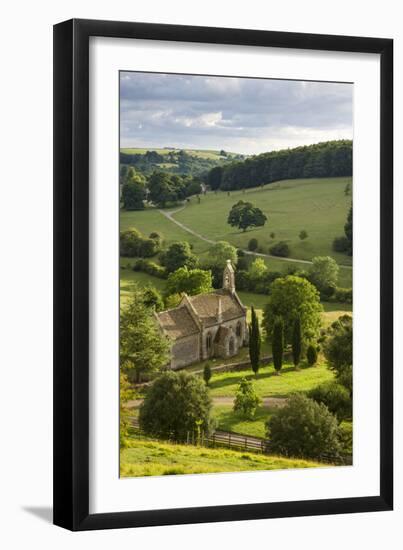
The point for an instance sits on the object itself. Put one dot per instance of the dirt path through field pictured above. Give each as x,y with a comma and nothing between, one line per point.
268,402
170,217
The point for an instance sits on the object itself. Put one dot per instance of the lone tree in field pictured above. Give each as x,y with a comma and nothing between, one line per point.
207,373
296,342
292,297
246,399
175,404
278,344
244,215
254,341
303,234
142,349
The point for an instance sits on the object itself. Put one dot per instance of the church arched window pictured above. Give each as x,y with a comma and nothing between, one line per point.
208,341
239,329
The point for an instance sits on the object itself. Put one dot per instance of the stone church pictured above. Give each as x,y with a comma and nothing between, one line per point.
206,325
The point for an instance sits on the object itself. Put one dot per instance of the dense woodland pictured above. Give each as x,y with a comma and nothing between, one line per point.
327,159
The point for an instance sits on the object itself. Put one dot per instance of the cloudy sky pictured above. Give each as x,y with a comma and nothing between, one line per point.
241,115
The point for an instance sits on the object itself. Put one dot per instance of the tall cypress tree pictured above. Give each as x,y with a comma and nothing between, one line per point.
296,341
278,344
348,231
254,341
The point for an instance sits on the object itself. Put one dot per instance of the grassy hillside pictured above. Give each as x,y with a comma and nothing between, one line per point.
268,384
154,458
317,205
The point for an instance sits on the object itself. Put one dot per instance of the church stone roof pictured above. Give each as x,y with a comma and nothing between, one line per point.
177,322
207,305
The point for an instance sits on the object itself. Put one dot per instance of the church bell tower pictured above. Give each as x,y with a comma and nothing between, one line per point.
229,277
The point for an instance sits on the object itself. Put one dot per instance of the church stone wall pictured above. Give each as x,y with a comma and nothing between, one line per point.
213,331
185,351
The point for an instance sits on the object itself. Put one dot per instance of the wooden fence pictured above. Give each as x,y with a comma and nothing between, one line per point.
241,442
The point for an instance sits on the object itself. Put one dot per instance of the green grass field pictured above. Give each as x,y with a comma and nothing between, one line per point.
231,421
153,458
268,384
317,205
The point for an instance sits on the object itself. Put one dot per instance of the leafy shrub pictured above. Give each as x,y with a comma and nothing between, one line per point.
345,378
344,295
176,403
338,344
280,249
246,399
272,235
253,244
326,292
132,244
303,428
311,355
178,255
303,234
129,241
242,263
148,248
207,373
153,299
346,437
336,398
156,236
340,244
147,266
323,274
242,280
172,300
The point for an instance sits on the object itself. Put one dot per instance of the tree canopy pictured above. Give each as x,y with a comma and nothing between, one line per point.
191,281
303,428
220,252
176,403
324,272
178,255
326,159
246,399
293,297
244,215
142,349
338,345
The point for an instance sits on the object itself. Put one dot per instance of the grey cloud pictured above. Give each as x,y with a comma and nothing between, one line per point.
241,114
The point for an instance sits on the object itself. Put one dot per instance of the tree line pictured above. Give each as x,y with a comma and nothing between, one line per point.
174,162
326,159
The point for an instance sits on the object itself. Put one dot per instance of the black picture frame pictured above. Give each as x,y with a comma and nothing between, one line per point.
71,274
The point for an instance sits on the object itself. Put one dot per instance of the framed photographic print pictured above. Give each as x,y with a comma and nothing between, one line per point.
223,274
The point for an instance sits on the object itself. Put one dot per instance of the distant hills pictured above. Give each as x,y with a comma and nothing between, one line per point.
194,162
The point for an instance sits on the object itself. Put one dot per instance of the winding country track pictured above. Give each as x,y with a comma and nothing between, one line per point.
170,217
